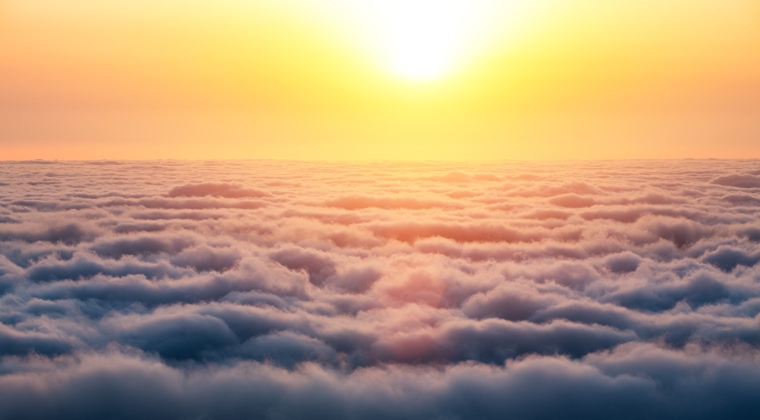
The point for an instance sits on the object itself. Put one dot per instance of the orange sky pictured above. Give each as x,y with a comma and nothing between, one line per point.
341,79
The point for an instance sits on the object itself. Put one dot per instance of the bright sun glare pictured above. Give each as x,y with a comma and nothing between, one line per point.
423,37
426,40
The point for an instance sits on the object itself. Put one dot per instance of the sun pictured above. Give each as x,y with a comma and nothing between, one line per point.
427,40
422,39
421,58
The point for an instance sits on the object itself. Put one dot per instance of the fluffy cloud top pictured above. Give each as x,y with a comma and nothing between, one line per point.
387,290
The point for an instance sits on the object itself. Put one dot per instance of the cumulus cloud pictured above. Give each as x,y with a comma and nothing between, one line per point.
217,190
379,290
738,181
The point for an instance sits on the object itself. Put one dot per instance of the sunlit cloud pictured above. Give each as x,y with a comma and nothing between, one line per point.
283,289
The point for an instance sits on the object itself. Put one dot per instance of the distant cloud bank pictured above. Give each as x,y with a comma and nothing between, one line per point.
285,290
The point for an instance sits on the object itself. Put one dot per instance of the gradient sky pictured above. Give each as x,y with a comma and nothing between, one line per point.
415,79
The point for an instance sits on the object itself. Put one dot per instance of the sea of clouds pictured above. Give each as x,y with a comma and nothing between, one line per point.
290,290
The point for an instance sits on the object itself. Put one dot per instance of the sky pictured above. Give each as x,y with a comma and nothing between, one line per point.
379,80
379,290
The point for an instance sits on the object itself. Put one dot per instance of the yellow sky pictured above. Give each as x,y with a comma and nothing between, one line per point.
371,79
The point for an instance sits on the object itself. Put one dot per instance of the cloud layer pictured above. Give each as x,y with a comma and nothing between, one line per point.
379,290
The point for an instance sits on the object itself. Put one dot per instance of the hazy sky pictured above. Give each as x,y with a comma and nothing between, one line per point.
414,79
